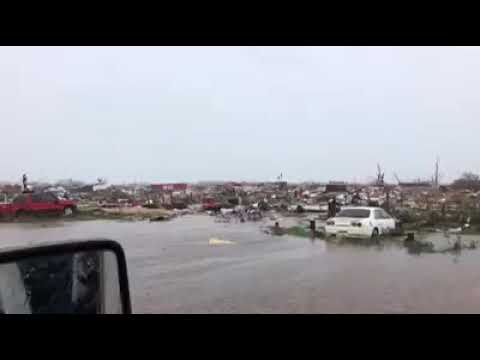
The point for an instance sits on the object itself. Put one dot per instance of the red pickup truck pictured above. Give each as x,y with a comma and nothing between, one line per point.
37,204
211,204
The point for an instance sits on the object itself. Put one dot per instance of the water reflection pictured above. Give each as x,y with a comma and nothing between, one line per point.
378,244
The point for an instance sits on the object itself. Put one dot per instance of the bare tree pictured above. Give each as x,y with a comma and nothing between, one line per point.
468,180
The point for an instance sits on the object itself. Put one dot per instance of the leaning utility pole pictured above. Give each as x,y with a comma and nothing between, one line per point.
397,178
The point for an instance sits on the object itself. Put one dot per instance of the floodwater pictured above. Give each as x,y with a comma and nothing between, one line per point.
174,269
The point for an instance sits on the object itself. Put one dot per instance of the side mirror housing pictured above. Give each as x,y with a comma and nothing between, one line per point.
82,277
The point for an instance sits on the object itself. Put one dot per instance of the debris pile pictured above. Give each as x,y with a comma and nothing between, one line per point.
441,242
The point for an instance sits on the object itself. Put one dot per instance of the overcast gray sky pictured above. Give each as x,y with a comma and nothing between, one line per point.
237,113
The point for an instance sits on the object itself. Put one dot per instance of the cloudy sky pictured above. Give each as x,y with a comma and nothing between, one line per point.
244,113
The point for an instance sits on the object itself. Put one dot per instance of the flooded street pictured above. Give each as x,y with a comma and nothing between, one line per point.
173,269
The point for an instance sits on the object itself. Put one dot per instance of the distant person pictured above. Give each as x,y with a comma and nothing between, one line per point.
332,205
356,199
24,180
336,207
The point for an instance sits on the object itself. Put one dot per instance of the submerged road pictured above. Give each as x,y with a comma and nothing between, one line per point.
173,269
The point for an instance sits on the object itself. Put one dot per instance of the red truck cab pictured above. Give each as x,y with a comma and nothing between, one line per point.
32,203
210,204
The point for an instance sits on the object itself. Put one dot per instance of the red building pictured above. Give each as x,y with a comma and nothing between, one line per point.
169,187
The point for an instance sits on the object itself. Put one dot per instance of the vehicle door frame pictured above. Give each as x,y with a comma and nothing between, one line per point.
388,221
56,206
23,205
42,206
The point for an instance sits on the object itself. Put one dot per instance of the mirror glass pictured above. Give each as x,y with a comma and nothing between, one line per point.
69,283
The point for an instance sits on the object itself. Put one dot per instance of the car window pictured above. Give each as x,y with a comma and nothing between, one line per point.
43,198
49,197
20,199
385,215
37,198
354,213
377,214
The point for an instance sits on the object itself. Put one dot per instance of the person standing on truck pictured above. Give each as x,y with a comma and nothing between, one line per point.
24,180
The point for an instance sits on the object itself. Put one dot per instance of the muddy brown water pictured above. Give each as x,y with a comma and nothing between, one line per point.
173,269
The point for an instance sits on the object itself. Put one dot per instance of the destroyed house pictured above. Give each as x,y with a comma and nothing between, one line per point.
84,189
281,184
415,184
336,187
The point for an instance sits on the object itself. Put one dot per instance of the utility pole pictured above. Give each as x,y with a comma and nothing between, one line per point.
435,177
380,176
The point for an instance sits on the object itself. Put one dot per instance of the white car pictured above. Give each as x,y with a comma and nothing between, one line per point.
360,222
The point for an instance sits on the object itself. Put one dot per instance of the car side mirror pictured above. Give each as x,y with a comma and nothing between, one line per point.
83,277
